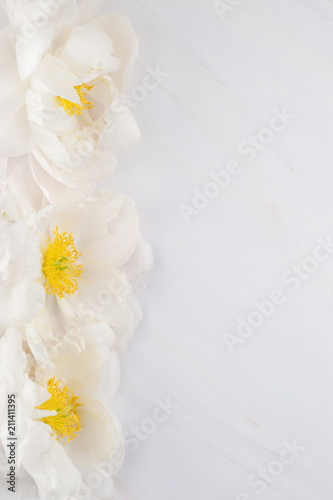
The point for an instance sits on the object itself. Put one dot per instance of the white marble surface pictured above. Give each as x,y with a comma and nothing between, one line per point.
236,411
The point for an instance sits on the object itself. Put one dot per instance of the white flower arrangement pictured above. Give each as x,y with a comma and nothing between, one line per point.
71,255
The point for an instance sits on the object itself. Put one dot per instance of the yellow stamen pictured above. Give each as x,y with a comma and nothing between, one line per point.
71,107
66,423
59,266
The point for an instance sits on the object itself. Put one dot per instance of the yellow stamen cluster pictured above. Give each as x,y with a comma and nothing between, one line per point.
66,423
59,266
71,107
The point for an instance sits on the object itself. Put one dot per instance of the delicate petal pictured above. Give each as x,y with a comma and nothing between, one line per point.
54,191
23,187
14,380
90,219
89,48
118,245
20,295
55,472
55,76
30,48
36,26
78,357
44,111
104,295
125,44
100,437
25,300
15,136
54,152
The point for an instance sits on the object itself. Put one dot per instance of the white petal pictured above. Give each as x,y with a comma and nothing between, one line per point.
89,220
52,148
118,245
14,380
12,360
45,111
119,127
76,368
28,197
118,309
54,191
89,48
26,299
55,76
55,472
100,436
14,129
125,44
36,26
29,52
20,295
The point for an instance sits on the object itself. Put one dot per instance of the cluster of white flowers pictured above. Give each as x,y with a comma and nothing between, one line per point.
71,255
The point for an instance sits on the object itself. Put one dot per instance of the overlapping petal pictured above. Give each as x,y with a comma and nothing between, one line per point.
58,472
71,255
105,229
62,78
15,135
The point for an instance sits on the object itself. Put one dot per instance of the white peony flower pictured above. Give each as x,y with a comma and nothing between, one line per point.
61,427
87,255
61,82
84,249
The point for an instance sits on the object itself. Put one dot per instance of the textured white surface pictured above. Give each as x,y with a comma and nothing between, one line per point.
228,71
236,410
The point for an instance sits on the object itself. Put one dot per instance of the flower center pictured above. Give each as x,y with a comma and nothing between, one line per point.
71,107
66,423
59,266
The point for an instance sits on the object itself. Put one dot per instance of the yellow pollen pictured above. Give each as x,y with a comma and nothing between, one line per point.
59,266
71,107
66,423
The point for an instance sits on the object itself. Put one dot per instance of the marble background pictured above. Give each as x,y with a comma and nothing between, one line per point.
227,384
261,242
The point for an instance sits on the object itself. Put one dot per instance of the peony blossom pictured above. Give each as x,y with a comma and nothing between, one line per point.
85,257
60,425
61,77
